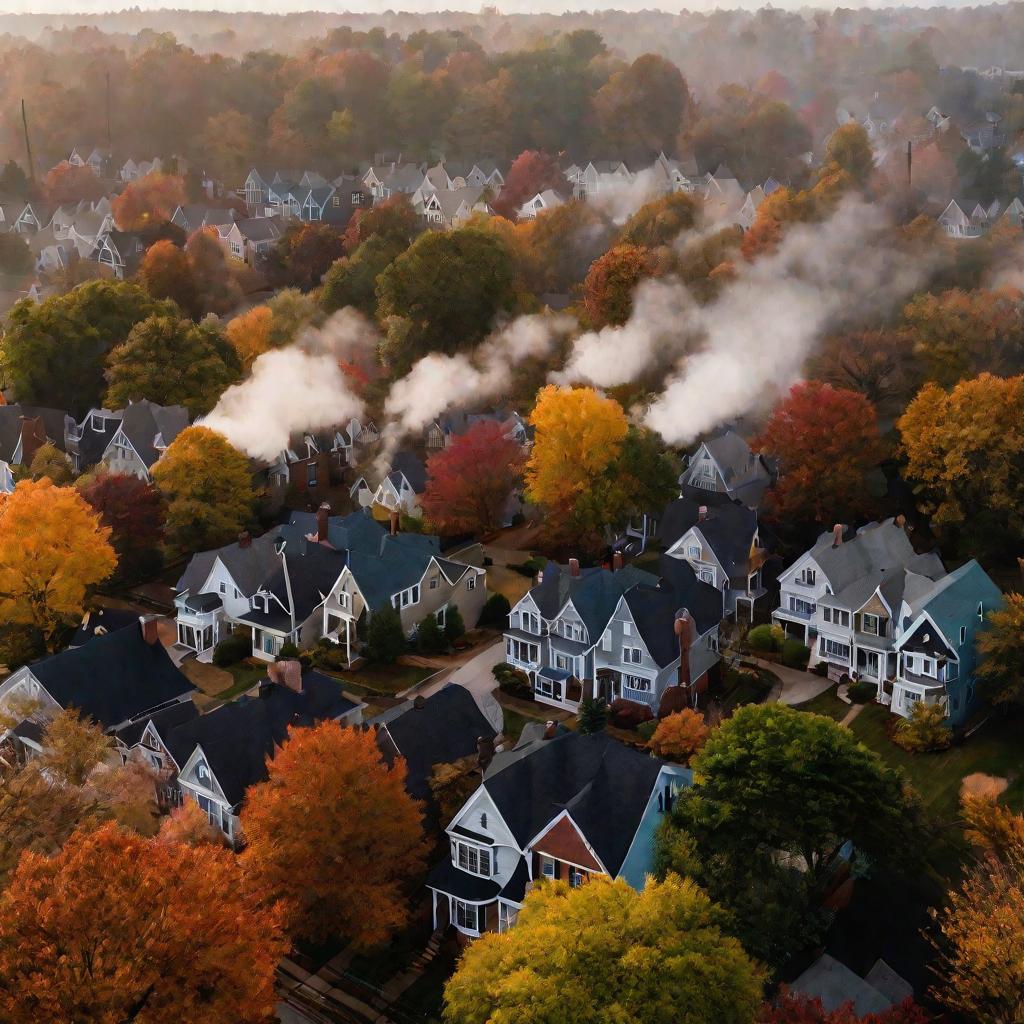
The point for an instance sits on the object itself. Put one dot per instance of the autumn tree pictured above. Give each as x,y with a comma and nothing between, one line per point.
560,245
848,153
1001,650
217,291
207,487
305,253
334,836
531,172
249,334
611,281
879,363
962,449
679,736
470,481
52,353
447,287
165,272
74,747
115,927
981,940
393,220
171,361
66,183
827,442
797,1008
52,550
605,951
149,200
133,510
190,825
51,462
15,255
661,221
352,280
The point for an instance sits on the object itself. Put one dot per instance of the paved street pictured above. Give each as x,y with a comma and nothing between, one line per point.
475,675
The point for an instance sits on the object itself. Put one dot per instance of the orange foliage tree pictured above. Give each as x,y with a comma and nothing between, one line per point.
67,183
250,334
334,836
680,735
166,273
611,281
118,928
150,200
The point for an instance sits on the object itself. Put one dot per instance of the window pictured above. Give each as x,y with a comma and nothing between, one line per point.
466,916
870,624
707,575
471,583
236,250
632,655
311,474
572,631
440,615
802,607
963,635
343,600
98,423
223,588
269,644
547,867
981,612
606,642
407,597
833,649
564,662
807,577
529,622
519,650
693,551
919,664
627,629
433,583
577,876
473,859
548,688
336,200
910,698
638,683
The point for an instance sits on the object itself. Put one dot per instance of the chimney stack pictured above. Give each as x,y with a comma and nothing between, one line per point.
484,751
150,632
702,513
419,702
837,534
289,673
394,521
245,539
574,567
683,631
323,514
549,730
617,562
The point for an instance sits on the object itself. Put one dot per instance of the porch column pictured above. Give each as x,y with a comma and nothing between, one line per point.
433,893
348,640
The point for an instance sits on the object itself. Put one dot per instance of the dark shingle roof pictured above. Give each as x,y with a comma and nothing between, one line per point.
101,621
728,527
144,423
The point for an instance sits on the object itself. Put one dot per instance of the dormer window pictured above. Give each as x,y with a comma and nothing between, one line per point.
963,635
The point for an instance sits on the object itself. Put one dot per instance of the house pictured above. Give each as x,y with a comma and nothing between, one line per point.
119,251
549,199
676,175
958,224
484,174
748,211
623,633
558,806
720,541
400,489
384,181
443,728
1014,213
985,135
443,431
96,159
114,679
250,240
935,646
598,177
193,217
451,208
224,752
149,740
127,441
843,597
24,217
24,429
832,982
723,195
724,464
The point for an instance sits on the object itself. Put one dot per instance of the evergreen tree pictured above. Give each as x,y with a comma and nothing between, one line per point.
385,637
593,715
454,627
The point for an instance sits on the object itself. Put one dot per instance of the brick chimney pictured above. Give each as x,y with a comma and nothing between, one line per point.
150,632
684,632
484,751
549,730
245,539
395,520
419,702
617,561
837,534
323,515
289,673
702,513
574,567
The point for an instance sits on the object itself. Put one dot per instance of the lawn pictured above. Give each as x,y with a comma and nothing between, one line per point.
245,677
827,704
387,679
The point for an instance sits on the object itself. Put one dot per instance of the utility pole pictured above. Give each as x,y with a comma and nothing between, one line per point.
108,112
28,145
909,161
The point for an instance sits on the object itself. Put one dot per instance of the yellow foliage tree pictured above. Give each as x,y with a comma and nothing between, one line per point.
250,334
579,433
52,550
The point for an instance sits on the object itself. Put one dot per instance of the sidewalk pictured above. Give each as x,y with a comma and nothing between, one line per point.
797,687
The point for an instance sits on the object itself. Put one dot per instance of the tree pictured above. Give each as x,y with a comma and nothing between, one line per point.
959,334
661,221
51,462
531,172
470,481
385,636
14,181
641,109
250,334
849,153
73,747
207,487
1001,652
52,550
148,201
305,253
925,729
66,183
352,280
827,442
134,512
334,836
291,311
454,627
560,245
605,952
190,825
797,1008
449,286
171,361
429,637
879,363
593,715
578,434
165,272
393,220
115,927
679,736
52,353
15,255
981,943
962,450
611,281
217,291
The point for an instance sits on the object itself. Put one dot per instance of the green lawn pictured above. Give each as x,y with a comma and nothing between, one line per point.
827,704
388,679
245,677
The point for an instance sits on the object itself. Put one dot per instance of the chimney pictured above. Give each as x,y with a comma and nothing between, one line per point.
540,577
245,539
574,567
702,513
837,534
901,521
395,519
617,562
323,514
289,673
419,702
684,632
549,730
484,751
150,632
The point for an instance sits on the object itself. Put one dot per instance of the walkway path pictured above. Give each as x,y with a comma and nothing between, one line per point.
797,687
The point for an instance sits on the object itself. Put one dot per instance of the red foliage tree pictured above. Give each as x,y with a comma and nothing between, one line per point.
791,1008
134,511
827,442
611,281
306,253
469,482
151,199
531,172
166,273
66,183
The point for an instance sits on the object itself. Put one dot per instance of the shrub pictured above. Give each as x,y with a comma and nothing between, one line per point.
680,735
861,692
628,714
330,656
593,715
766,638
288,651
454,627
820,669
924,730
429,638
513,681
795,654
530,567
385,637
232,649
645,730
495,611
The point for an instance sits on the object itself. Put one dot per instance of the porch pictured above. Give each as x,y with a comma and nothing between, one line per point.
342,630
559,688
198,622
613,683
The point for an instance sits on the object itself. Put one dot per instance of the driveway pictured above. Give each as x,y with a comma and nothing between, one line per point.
476,676
797,687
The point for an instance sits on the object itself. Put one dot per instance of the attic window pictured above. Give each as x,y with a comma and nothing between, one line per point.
981,612
483,821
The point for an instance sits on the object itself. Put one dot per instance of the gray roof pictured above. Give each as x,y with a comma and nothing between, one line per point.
746,474
10,426
249,566
150,427
411,466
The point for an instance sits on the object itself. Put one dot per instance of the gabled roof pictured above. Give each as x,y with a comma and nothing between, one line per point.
877,546
148,425
165,722
728,527
411,466
249,566
113,677
953,602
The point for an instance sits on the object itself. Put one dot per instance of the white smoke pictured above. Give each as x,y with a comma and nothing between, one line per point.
756,336
621,199
295,389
